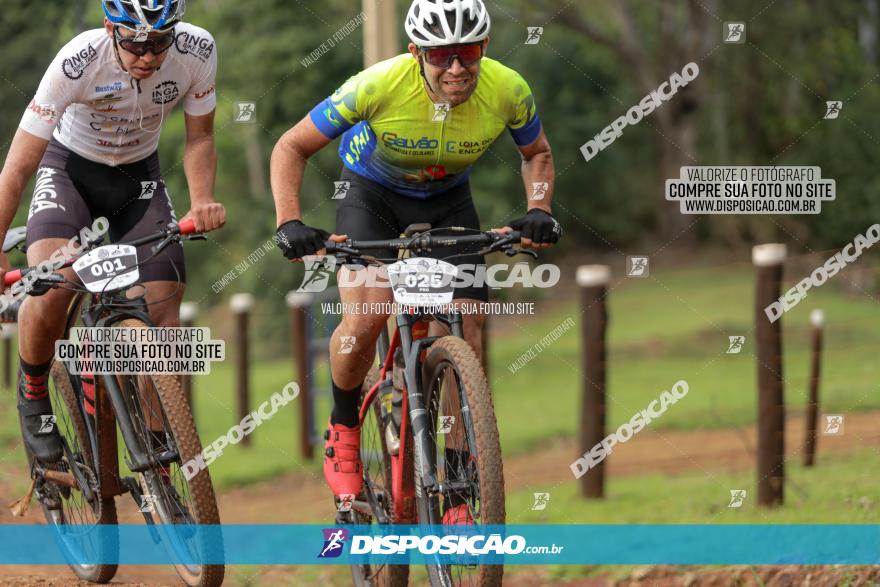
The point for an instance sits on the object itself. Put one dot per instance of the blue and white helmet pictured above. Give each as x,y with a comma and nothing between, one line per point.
144,16
434,23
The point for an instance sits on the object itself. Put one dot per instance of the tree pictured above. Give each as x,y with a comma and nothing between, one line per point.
652,44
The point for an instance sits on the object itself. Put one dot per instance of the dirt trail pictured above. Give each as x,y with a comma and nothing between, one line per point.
647,453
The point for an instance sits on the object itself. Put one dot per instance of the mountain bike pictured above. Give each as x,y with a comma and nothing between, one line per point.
428,430
77,494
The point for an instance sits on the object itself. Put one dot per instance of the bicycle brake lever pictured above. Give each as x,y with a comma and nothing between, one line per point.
44,284
499,245
165,242
513,252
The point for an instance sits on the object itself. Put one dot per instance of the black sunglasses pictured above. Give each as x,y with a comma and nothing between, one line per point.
155,45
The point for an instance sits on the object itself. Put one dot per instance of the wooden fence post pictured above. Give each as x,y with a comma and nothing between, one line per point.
241,305
768,260
817,319
297,302
7,333
593,280
188,313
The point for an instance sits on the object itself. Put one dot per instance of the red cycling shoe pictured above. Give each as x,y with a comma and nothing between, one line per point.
342,459
458,515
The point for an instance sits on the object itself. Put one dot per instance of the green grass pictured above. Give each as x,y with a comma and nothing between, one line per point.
675,326
275,444
839,491
842,490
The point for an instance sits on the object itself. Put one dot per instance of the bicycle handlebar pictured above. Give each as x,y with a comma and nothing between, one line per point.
185,228
496,240
12,276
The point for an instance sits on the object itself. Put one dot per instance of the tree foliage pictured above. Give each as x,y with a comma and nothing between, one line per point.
758,103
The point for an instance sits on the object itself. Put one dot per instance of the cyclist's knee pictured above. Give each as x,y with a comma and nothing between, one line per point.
367,325
163,299
49,307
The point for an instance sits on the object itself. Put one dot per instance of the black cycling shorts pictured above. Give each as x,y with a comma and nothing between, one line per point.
370,211
72,191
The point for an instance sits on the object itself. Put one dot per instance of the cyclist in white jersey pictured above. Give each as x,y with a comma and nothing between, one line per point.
90,134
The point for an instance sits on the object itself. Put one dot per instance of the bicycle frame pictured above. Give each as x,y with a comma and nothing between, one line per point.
110,408
411,335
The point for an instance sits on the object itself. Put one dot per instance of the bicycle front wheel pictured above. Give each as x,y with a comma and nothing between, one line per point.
162,418
466,457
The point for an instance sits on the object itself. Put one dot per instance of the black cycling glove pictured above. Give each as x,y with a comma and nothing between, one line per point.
296,240
539,226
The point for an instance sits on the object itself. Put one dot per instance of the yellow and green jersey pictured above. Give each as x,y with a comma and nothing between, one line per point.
396,136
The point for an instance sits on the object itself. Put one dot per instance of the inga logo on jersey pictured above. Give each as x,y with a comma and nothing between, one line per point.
189,44
166,92
74,66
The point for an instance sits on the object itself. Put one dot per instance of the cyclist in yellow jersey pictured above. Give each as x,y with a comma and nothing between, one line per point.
411,128
396,135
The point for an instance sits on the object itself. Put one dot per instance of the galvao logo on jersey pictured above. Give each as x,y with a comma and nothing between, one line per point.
189,44
166,92
74,66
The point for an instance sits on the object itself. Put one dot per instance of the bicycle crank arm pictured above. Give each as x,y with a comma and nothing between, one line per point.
66,479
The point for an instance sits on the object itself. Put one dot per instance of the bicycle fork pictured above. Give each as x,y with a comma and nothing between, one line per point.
418,413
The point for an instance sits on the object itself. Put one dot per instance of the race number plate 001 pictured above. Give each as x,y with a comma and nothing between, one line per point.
108,268
422,282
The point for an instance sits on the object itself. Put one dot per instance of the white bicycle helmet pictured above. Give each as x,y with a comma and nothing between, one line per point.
434,23
144,16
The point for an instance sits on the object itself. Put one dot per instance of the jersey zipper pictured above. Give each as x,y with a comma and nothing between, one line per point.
442,144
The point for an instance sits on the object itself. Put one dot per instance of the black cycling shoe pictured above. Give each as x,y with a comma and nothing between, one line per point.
39,430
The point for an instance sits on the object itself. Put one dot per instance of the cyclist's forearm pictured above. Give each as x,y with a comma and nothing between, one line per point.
200,168
11,186
539,170
22,160
287,169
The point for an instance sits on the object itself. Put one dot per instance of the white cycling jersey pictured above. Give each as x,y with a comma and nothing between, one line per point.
99,112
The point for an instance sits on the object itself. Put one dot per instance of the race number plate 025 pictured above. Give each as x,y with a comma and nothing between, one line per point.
108,268
422,282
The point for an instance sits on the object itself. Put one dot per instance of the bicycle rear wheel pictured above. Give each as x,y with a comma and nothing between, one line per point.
377,492
466,455
162,419
67,507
